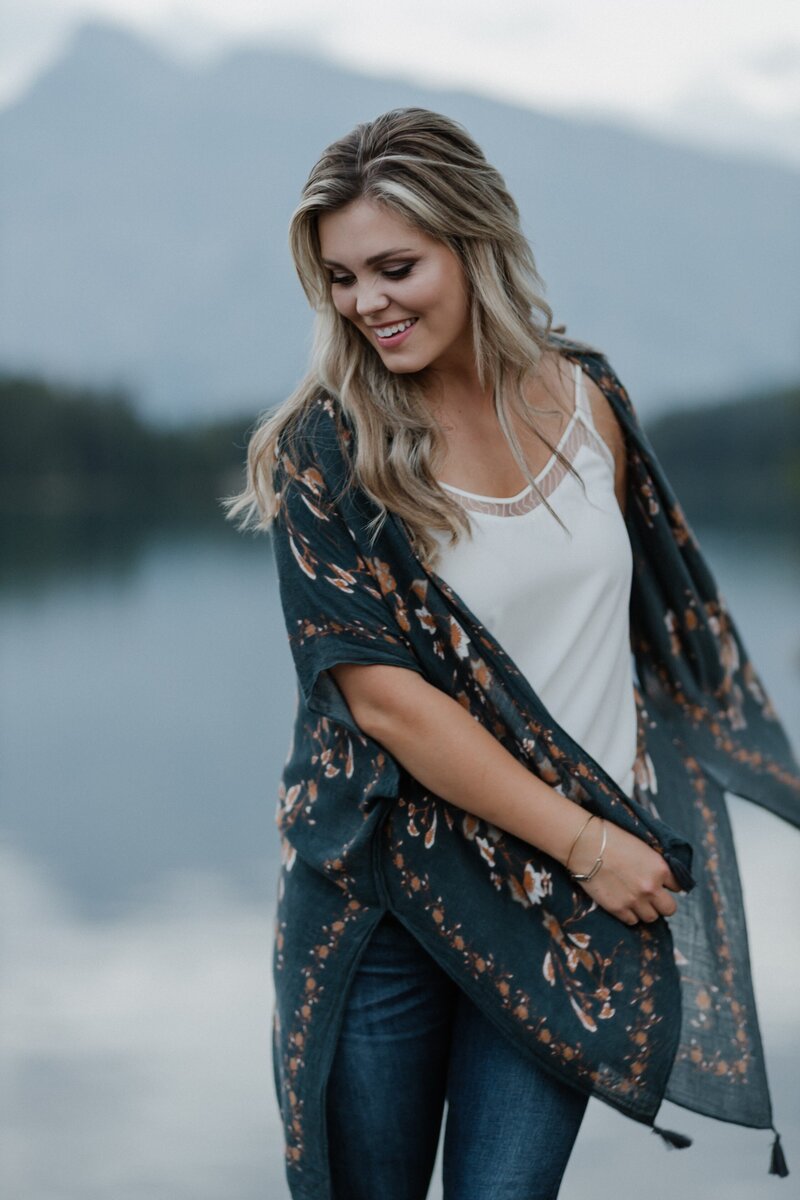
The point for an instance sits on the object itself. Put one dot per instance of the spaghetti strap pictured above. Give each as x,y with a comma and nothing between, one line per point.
583,409
582,404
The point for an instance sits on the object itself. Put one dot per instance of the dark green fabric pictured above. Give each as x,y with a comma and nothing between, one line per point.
630,1015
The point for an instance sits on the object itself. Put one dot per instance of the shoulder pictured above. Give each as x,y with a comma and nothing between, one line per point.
609,404
605,418
312,428
312,459
315,435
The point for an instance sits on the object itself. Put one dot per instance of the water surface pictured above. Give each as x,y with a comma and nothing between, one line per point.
146,708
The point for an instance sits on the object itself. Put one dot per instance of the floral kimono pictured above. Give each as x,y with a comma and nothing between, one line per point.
630,1014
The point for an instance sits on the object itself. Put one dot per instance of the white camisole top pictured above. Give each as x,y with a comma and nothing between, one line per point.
557,600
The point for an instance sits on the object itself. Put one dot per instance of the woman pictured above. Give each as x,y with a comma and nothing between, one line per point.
487,819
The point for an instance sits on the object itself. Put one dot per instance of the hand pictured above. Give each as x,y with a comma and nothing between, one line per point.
634,882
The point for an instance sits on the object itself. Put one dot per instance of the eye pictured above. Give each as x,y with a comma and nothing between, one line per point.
393,273
399,272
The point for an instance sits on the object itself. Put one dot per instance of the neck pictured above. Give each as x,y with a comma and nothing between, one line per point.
457,389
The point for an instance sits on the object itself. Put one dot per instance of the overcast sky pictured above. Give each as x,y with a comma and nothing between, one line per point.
723,72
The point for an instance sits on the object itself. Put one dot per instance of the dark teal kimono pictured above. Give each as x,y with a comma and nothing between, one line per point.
630,1015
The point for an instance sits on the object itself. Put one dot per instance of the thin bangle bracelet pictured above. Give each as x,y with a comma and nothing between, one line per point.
577,836
598,862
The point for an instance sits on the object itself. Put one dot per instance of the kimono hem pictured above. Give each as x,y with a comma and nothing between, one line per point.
631,1015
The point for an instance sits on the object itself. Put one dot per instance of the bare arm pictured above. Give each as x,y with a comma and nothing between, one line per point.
457,758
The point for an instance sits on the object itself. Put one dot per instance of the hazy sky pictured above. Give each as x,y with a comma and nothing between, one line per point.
723,72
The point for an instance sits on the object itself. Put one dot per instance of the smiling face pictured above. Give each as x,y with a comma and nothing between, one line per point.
403,290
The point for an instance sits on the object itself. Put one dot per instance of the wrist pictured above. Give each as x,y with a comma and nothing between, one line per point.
585,821
574,827
588,850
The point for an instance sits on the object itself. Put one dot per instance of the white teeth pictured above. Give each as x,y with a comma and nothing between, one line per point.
390,330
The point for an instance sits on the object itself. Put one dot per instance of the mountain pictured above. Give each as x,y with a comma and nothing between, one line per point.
144,207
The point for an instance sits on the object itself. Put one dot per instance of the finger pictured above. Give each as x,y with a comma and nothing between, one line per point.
646,911
628,917
672,883
665,903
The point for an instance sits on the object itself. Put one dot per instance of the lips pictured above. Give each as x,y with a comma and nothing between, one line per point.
396,332
391,327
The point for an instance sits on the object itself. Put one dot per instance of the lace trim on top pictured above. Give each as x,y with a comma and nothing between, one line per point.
576,434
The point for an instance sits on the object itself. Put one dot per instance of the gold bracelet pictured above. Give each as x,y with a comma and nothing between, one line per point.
598,862
577,835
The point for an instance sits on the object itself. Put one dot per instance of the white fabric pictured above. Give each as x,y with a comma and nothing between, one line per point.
557,601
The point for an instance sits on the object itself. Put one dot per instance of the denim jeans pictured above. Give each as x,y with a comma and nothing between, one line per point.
410,1040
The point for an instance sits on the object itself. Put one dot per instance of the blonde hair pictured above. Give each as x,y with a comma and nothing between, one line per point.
425,168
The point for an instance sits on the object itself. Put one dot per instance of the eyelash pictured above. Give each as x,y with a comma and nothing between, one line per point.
398,273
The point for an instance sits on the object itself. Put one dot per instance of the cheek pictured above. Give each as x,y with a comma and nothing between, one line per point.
449,296
435,297
453,311
343,306
460,306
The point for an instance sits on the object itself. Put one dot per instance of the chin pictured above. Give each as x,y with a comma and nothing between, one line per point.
402,368
403,364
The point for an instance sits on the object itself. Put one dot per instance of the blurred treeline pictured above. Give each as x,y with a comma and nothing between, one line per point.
81,470
736,464
66,450
85,480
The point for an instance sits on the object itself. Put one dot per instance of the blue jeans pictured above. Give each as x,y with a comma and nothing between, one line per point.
411,1039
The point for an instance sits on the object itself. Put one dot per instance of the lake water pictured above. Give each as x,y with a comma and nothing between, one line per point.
147,701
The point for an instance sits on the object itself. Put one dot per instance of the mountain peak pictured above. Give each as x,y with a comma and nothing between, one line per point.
110,42
108,57
145,203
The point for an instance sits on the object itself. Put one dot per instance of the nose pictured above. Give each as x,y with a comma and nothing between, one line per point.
371,298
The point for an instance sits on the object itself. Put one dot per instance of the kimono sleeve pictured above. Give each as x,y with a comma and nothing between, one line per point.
332,594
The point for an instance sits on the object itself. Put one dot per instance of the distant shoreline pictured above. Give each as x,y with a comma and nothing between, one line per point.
74,456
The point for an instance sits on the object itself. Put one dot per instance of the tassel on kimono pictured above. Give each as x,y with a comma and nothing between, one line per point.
777,1162
672,1140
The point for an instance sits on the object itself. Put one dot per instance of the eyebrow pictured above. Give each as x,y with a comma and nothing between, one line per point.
373,258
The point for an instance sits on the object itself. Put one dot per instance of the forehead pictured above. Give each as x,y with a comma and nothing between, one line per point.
363,229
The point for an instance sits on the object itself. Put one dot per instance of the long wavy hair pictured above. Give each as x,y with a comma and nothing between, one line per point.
425,168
